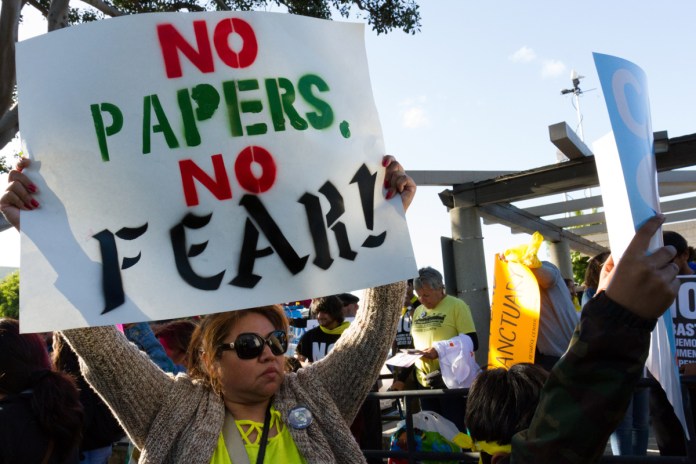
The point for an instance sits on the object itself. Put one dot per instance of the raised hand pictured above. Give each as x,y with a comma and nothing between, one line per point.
645,284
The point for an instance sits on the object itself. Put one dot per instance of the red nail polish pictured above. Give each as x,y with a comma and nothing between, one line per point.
386,184
390,194
31,188
384,162
34,203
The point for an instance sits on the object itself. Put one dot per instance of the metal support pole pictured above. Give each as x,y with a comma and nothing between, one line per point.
449,271
470,272
559,254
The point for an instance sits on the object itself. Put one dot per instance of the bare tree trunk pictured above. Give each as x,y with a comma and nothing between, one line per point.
58,14
9,126
9,25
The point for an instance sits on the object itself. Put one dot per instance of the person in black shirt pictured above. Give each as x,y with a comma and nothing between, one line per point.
318,342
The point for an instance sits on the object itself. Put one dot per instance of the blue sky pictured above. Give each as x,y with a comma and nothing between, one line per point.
478,87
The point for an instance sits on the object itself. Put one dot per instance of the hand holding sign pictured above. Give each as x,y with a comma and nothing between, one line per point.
644,284
18,194
396,181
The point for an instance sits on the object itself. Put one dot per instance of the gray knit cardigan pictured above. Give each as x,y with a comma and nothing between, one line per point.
177,420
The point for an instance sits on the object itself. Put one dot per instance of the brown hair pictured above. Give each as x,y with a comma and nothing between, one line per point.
502,402
177,335
64,358
331,305
594,269
211,333
53,398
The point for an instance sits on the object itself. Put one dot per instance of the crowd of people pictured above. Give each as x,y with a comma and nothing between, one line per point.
222,388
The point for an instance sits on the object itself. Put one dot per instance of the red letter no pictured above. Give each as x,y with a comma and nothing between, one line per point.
171,41
220,186
246,178
246,56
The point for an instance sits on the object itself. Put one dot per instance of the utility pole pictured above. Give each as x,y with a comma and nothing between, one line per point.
576,91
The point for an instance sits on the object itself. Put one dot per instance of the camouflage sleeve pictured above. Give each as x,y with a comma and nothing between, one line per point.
588,391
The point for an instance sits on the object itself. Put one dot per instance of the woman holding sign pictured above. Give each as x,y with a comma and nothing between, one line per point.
239,405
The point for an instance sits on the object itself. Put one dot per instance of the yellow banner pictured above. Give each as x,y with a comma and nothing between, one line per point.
514,315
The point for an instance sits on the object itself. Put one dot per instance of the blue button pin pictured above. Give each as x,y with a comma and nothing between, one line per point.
300,418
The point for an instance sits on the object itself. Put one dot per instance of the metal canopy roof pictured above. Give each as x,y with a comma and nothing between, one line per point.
495,196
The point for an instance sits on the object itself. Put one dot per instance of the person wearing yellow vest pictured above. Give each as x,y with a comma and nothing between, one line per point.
237,387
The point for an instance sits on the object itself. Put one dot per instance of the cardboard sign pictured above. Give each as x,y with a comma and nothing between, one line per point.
191,163
514,315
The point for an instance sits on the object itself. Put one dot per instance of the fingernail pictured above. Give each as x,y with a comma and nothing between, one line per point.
385,162
386,184
390,194
32,188
34,203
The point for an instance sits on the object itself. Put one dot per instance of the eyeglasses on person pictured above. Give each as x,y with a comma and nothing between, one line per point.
251,345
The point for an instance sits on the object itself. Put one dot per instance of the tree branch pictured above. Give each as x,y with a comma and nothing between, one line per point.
58,14
223,6
104,7
39,7
9,126
177,6
9,25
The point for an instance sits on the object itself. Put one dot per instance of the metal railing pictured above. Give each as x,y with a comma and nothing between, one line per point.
412,456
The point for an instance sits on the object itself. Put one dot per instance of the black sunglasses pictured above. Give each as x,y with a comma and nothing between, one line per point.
251,345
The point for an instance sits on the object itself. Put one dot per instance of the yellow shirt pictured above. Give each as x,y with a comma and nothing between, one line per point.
448,319
280,448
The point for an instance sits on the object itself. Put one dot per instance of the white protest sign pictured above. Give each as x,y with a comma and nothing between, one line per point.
191,163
